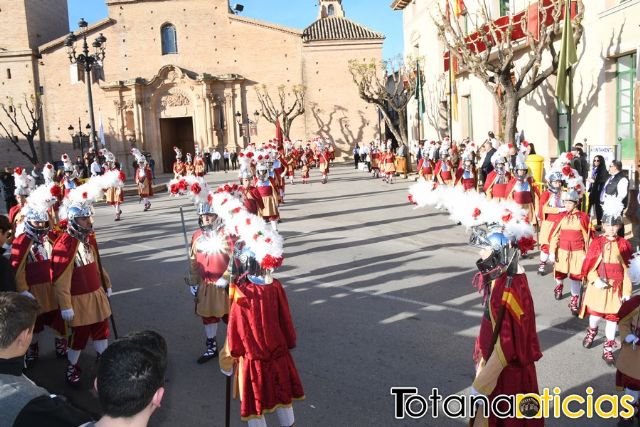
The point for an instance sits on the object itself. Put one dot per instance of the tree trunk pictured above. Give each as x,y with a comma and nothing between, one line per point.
510,116
34,154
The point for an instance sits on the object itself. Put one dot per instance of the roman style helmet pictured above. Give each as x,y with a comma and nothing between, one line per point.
612,211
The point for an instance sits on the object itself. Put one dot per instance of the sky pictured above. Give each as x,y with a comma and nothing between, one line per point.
374,14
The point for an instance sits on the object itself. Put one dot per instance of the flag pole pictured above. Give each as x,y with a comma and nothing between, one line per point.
418,104
450,127
570,110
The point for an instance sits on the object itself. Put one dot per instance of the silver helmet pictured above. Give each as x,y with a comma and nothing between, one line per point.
205,208
504,252
570,196
246,264
75,211
262,171
33,219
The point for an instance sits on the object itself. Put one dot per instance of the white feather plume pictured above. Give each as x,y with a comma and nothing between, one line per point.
612,206
634,268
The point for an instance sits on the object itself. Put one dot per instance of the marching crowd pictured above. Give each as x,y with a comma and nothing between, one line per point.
575,218
52,275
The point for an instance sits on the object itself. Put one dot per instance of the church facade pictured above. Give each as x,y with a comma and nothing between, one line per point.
178,72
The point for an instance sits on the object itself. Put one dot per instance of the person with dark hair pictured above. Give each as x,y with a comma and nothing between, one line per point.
617,186
8,188
152,341
598,175
24,403
7,275
129,382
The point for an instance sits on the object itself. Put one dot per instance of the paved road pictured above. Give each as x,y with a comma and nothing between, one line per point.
380,295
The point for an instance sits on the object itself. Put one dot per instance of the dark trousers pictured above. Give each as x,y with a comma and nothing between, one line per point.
226,165
356,160
216,165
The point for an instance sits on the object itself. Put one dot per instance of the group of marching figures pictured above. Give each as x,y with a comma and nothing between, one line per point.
57,262
283,162
599,268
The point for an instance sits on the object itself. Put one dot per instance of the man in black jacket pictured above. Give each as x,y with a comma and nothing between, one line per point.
7,275
487,166
23,403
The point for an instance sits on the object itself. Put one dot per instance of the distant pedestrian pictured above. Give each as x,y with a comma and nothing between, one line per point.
207,160
234,160
225,156
356,155
8,188
215,156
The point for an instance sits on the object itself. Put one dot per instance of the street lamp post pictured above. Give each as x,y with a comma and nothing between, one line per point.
245,126
88,61
79,134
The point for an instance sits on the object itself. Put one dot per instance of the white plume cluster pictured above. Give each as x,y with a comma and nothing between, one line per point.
90,191
611,206
48,173
24,182
472,208
42,198
634,268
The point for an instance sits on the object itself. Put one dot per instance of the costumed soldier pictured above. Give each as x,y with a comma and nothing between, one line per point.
179,168
549,211
290,166
144,179
523,191
82,285
114,195
305,170
199,168
568,242
324,159
268,192
495,185
388,164
401,160
188,165
628,360
70,179
443,173
466,176
605,271
375,156
31,260
505,366
210,251
251,197
260,336
24,185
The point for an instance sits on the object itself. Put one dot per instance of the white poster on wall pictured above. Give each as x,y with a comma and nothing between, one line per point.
606,151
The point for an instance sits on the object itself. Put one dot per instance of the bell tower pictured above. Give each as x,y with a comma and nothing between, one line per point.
330,8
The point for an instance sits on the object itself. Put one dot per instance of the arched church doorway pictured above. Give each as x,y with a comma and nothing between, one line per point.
176,132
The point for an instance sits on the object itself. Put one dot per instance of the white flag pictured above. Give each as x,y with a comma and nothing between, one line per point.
101,131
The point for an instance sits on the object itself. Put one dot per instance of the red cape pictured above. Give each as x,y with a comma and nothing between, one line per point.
595,249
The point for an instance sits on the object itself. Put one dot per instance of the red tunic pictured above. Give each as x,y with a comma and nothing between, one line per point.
13,212
252,200
261,333
496,191
518,343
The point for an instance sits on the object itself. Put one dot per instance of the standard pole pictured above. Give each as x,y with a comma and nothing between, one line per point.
569,111
450,127
92,121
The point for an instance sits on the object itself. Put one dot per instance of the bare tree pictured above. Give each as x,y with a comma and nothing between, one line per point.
22,119
272,111
390,85
491,53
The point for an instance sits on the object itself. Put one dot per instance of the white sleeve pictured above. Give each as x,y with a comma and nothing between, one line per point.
623,188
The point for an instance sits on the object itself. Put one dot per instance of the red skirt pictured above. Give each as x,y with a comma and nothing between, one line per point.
513,380
268,385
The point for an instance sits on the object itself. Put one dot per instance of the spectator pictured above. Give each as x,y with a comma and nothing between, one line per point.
81,168
580,162
616,186
595,183
234,160
513,155
225,156
356,155
152,164
487,166
24,403
130,383
215,156
153,342
207,161
7,275
96,169
37,175
8,188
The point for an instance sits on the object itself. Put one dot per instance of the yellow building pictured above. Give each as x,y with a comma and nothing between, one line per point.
176,72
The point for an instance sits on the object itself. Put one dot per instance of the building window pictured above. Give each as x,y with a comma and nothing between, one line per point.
9,73
563,127
169,39
505,7
330,10
625,77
